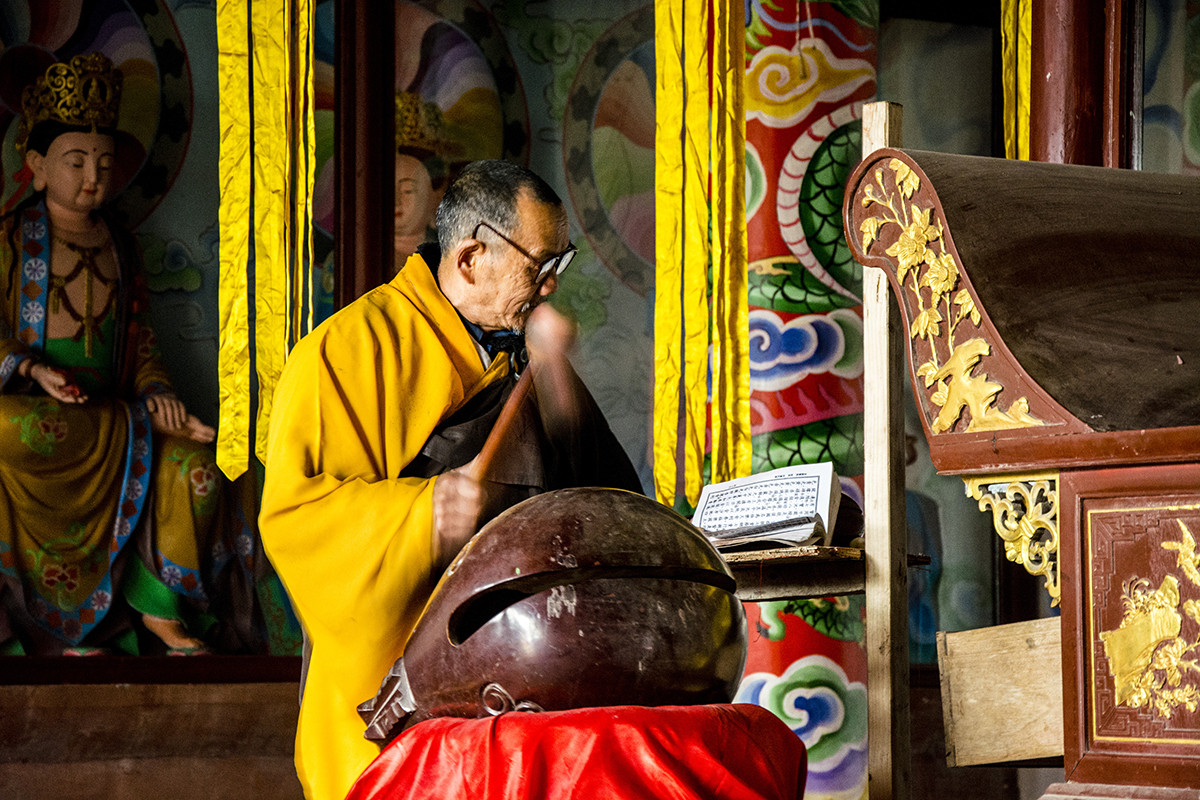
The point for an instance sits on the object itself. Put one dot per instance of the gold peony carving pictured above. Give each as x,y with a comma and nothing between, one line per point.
925,268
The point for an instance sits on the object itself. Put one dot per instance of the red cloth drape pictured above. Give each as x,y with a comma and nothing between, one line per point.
730,752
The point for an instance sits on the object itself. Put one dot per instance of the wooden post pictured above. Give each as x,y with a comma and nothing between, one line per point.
1066,92
1124,47
365,152
888,741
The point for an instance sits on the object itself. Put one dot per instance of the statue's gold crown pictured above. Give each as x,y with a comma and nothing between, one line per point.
86,91
418,123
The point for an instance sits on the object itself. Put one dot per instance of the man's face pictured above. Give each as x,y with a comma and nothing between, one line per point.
76,170
510,281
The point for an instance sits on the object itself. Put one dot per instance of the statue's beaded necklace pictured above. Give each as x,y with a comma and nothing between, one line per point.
89,319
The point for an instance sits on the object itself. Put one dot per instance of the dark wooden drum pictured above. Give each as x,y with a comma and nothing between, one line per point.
573,598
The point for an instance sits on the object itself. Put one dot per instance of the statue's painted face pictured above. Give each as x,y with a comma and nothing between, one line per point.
414,190
76,170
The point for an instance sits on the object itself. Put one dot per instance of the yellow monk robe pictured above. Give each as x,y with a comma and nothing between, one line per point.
353,541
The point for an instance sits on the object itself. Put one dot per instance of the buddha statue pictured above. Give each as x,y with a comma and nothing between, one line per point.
108,491
420,173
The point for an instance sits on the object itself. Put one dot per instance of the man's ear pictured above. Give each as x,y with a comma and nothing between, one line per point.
468,259
37,165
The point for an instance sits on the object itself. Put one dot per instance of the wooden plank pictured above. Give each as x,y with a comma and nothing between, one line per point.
888,756
1073,790
793,573
797,573
262,778
149,740
77,723
30,670
1007,672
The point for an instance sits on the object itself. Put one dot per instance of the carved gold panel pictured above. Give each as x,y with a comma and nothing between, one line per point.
1144,619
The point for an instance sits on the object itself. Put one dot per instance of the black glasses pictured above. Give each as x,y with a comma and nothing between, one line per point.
554,264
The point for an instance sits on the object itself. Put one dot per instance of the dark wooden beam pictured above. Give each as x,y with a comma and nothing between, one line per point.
364,137
981,13
1124,46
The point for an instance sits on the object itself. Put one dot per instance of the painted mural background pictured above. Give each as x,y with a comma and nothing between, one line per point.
1171,86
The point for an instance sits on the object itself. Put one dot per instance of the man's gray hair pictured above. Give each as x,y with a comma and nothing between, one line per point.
487,191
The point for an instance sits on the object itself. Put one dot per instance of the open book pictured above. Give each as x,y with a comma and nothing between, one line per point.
789,506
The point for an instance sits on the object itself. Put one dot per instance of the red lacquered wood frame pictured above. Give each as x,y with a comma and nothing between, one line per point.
1131,759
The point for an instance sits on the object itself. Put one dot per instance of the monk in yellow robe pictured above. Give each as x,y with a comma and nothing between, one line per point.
368,494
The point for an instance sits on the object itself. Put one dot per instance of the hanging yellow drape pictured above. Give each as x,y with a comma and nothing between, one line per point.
1016,35
233,218
266,159
730,327
303,121
699,153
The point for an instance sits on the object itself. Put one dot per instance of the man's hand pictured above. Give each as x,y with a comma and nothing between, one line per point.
457,502
549,335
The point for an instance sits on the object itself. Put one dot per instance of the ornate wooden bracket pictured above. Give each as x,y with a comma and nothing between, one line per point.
1025,514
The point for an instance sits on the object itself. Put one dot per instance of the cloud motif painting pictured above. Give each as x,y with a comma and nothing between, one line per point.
827,711
783,353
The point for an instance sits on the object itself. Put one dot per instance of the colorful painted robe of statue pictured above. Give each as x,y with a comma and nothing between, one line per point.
107,491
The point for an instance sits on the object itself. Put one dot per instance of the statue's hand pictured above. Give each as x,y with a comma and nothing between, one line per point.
57,383
167,413
198,431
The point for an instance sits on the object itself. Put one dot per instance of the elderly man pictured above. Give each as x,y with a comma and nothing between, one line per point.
368,491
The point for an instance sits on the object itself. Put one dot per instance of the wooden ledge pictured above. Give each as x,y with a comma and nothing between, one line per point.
793,573
149,740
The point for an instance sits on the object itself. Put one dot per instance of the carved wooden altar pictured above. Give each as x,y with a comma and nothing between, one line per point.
1053,315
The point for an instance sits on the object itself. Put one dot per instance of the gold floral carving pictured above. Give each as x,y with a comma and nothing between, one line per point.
1152,665
925,267
1025,514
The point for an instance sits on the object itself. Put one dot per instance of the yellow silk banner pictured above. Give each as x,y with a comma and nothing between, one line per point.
233,215
730,326
304,124
695,244
668,238
699,152
265,53
1016,27
270,24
